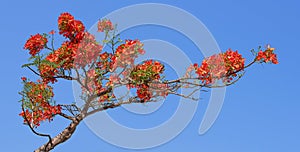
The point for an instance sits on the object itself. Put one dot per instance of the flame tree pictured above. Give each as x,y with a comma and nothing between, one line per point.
81,58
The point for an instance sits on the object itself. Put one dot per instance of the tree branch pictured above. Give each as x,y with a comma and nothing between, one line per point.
66,116
55,77
114,105
32,129
61,137
93,97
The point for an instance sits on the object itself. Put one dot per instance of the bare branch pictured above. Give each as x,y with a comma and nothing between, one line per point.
55,77
33,71
72,108
93,97
66,116
114,105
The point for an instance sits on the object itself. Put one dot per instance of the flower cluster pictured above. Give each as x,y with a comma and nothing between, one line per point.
220,66
35,44
126,53
47,72
36,101
147,91
145,78
104,64
105,25
146,72
267,56
62,58
144,93
81,49
64,55
69,27
88,50
94,86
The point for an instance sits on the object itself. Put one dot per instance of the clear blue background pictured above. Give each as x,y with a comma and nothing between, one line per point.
261,113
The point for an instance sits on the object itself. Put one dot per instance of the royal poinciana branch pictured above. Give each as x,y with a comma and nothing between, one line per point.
98,72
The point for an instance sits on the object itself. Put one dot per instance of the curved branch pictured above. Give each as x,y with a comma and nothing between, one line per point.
33,71
32,129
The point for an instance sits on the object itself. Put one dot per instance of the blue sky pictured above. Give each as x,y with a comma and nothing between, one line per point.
260,113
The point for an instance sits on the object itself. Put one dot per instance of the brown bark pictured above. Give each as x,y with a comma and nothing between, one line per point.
61,137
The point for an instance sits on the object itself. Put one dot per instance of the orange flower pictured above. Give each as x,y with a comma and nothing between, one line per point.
267,56
52,32
220,66
35,44
105,25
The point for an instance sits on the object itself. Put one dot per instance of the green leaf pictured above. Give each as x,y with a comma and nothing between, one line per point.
33,57
50,63
27,65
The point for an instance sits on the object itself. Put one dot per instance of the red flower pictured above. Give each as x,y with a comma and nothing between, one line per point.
143,93
52,32
63,21
104,56
126,53
105,25
147,71
69,27
23,78
88,50
47,72
35,44
267,56
37,98
220,66
66,54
